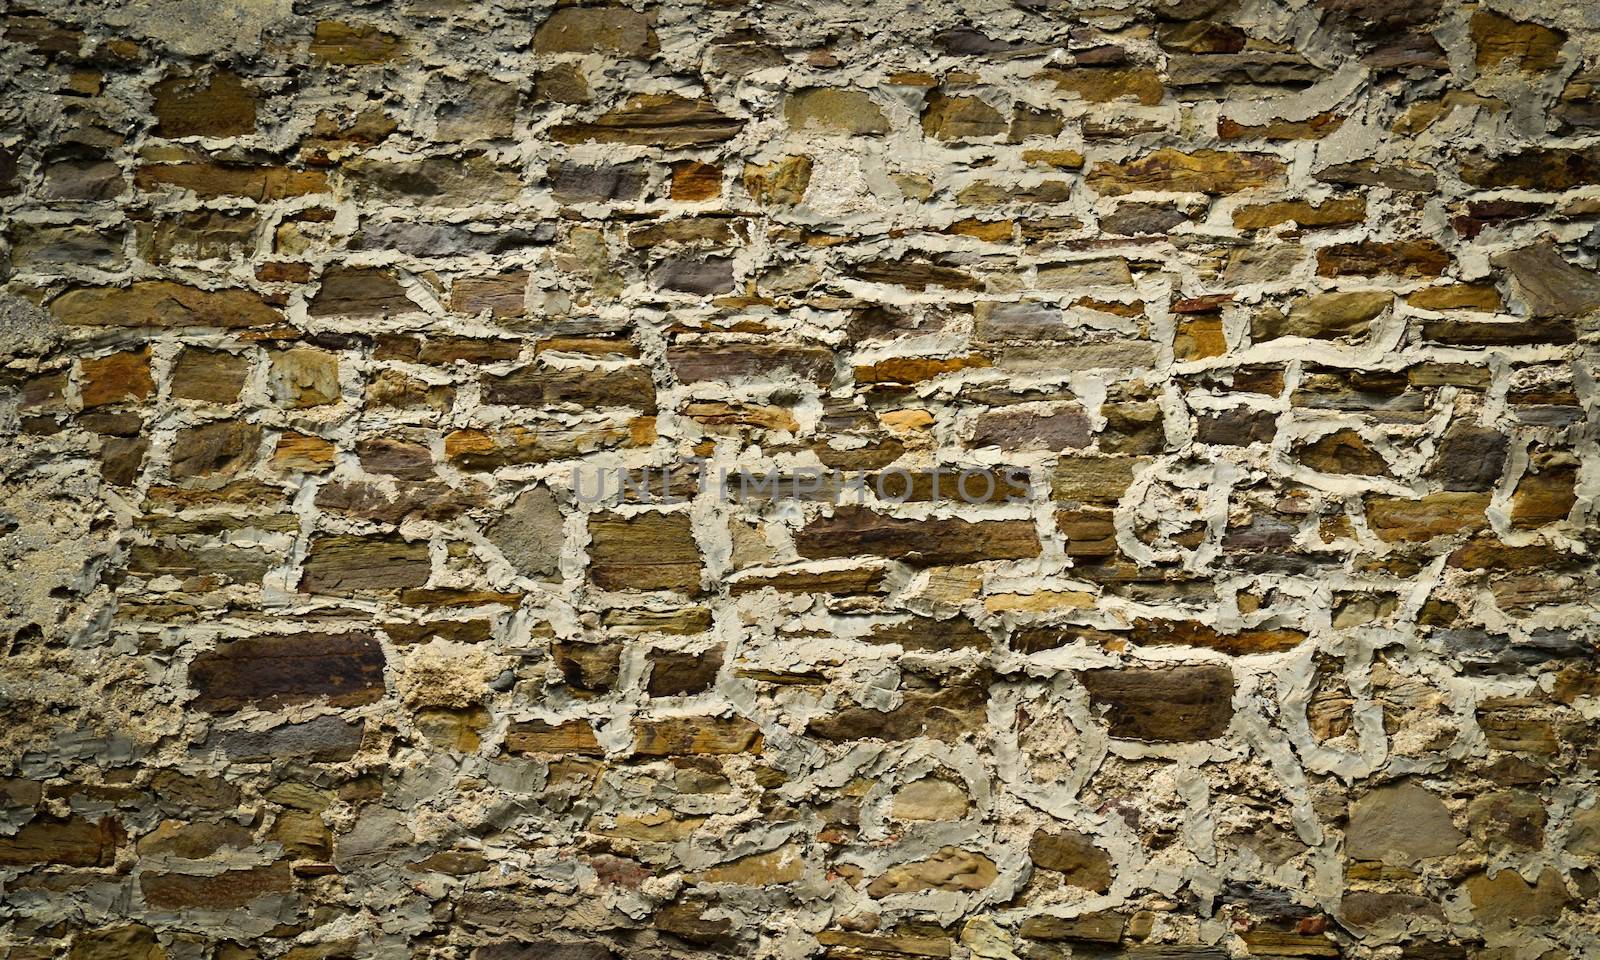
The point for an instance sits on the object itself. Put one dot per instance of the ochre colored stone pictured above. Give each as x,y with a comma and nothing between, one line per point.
354,44
835,111
220,105
1203,171
115,378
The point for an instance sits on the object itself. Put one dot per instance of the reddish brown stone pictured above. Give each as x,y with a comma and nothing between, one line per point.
220,105
228,890
118,377
1163,704
857,531
344,669
73,842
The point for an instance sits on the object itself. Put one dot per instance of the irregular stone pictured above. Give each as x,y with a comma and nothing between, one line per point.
679,736
1529,47
1324,316
354,44
1411,258
946,117
1548,284
224,447
220,105
1469,458
1163,704
1073,854
1203,171
660,120
1400,824
271,671
930,798
857,531
346,563
208,180
326,739
1504,901
529,534
1435,515
304,377
228,890
359,292
949,869
613,30
1343,451
647,551
161,303
117,377
70,842
835,111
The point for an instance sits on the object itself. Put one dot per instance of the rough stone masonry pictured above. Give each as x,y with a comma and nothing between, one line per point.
1264,330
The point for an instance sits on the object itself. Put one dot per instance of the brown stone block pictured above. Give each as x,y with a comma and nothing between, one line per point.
345,563
117,377
162,303
73,842
648,551
857,531
228,890
678,736
345,669
1163,704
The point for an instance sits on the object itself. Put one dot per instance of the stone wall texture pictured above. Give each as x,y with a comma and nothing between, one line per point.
1172,432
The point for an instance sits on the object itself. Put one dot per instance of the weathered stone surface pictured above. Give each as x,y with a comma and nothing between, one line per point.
225,447
1324,316
947,117
570,481
1203,171
834,111
856,531
662,120
1400,823
160,303
207,180
931,798
115,378
328,739
220,105
614,30
359,292
354,44
228,890
529,534
1163,704
343,669
304,377
1073,854
344,563
585,389
1435,515
678,736
647,551
950,869
1549,284
71,842
211,376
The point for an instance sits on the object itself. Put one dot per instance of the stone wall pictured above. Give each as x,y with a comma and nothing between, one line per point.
1101,481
